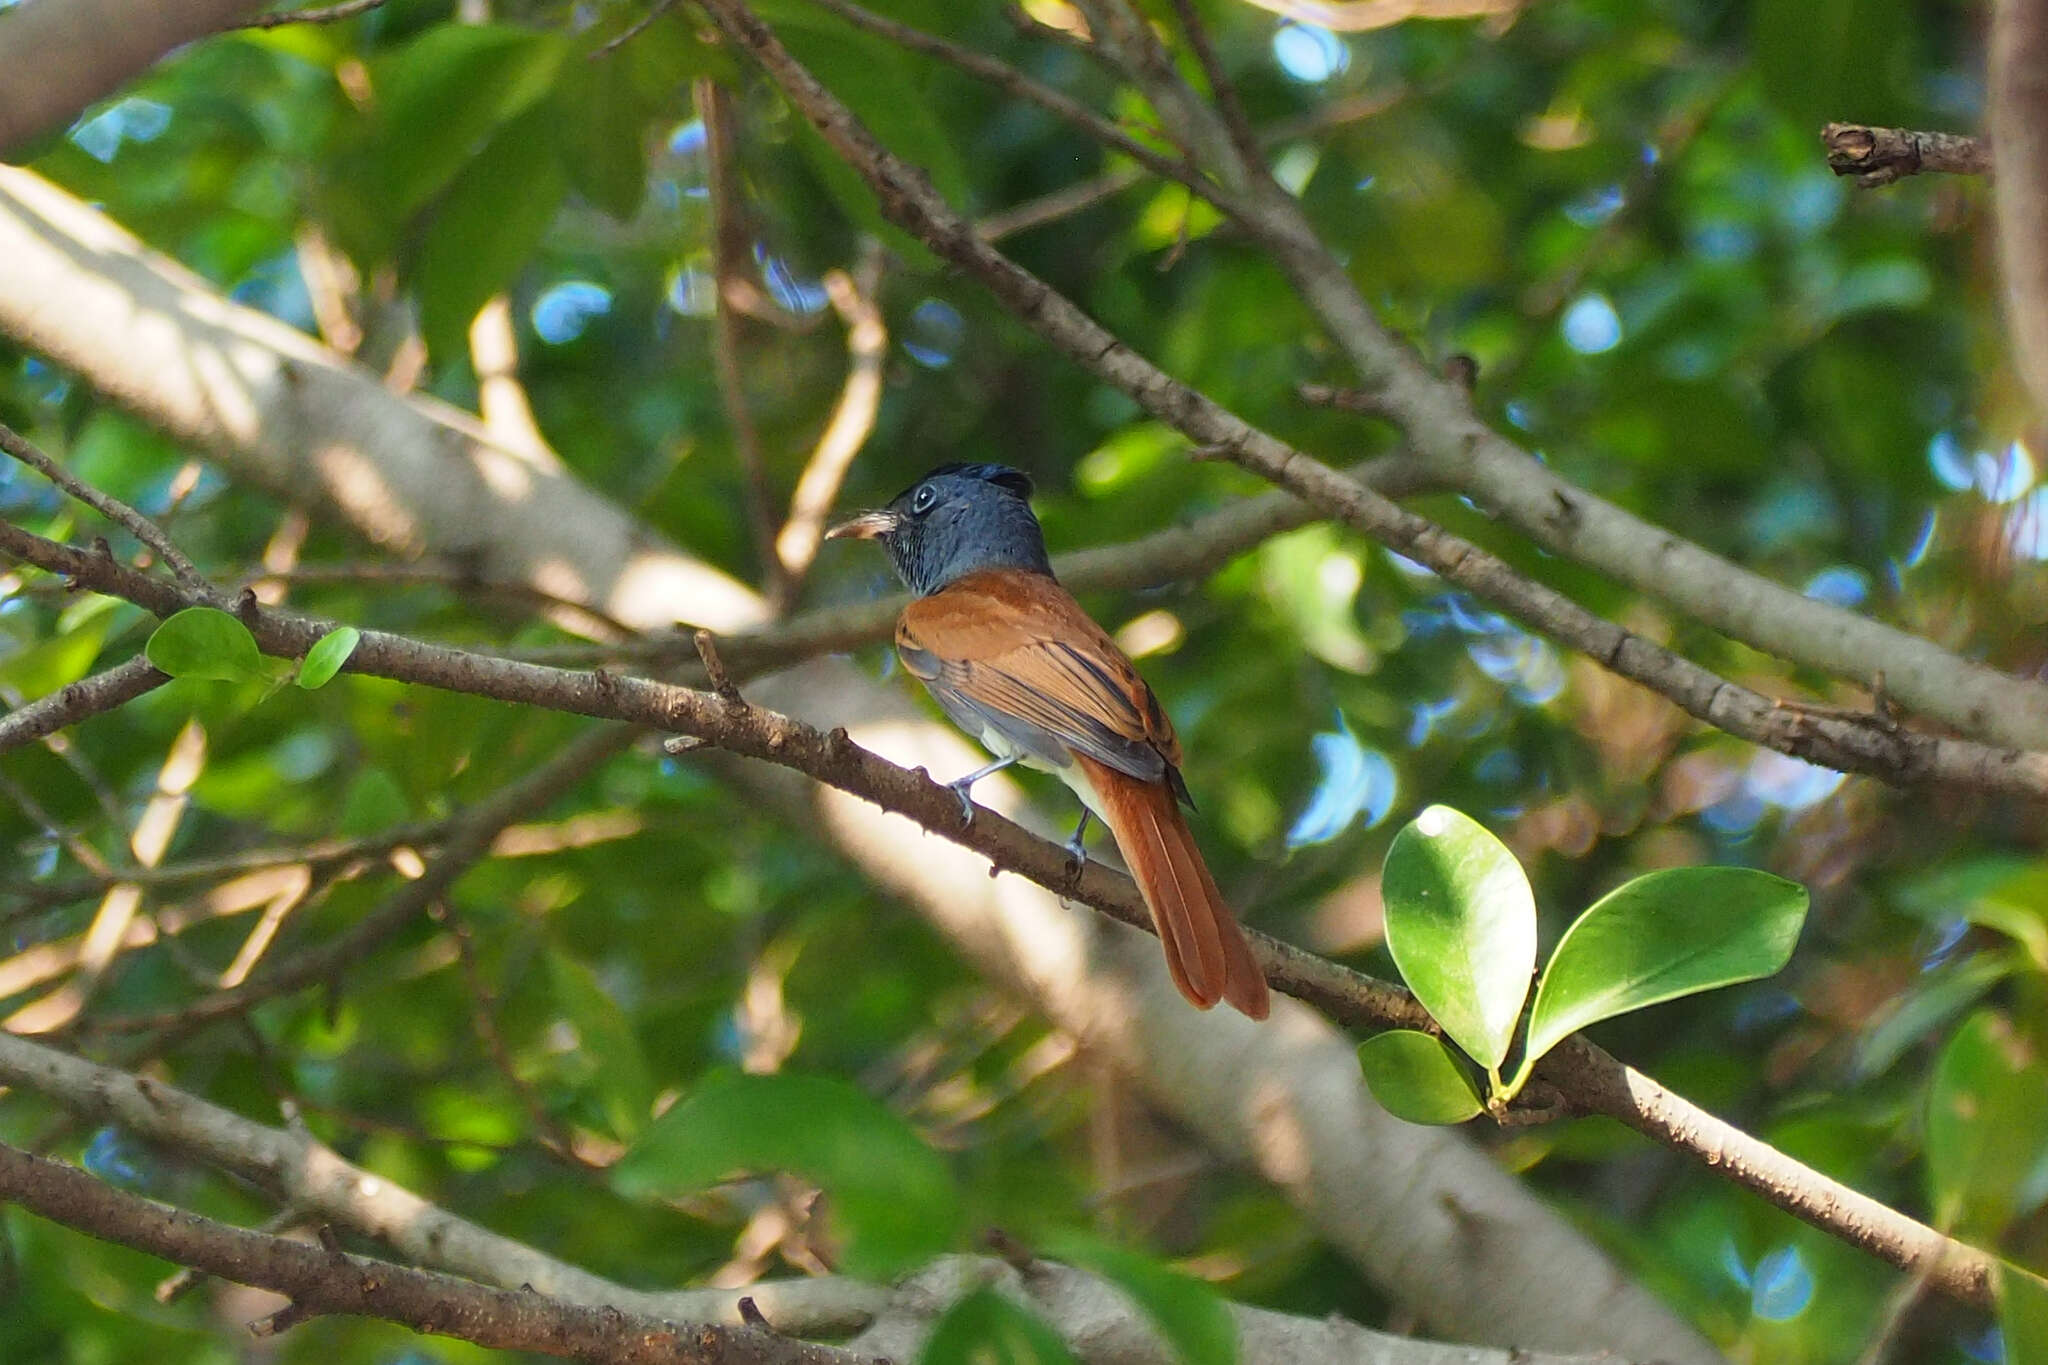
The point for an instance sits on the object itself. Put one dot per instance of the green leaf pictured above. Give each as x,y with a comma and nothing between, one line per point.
1663,935
2022,1314
202,642
617,1068
326,657
892,1193
1987,1126
486,228
984,1328
1193,1318
1833,59
601,130
1415,1077
1461,924
440,96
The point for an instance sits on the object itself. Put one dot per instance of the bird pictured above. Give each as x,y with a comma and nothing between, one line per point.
1016,662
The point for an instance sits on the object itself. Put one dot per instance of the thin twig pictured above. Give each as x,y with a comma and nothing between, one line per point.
728,269
108,506
633,30
323,14
469,839
853,418
74,702
483,1002
1015,83
1221,89
1881,156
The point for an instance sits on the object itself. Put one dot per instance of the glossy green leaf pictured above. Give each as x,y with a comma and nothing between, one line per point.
984,1328
1987,1125
892,1193
2022,1314
1193,1318
327,655
486,228
1461,924
1415,1077
1661,936
202,642
614,1065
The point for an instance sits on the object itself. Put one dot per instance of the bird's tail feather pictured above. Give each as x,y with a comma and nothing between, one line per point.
1206,951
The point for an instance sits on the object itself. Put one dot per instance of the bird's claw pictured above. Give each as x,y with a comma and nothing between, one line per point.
959,790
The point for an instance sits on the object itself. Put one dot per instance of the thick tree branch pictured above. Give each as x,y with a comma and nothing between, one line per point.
1437,418
833,759
1877,747
318,1185
148,345
1881,156
58,56
321,1281
304,1173
278,409
2018,117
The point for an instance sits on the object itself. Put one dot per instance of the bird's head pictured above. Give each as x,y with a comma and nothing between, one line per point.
956,520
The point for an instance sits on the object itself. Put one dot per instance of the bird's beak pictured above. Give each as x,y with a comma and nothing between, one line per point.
866,526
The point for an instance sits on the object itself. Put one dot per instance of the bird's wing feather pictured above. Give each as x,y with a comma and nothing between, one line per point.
1018,652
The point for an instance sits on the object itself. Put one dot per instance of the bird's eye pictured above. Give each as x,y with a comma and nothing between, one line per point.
922,502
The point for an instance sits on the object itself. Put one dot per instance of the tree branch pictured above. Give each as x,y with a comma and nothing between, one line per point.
1881,156
753,732
470,836
1876,747
852,419
305,1174
58,56
2018,117
1442,429
320,1281
108,506
1091,1315
1015,83
278,409
74,702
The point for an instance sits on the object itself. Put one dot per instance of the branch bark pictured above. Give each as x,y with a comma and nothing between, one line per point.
275,407
2018,101
1878,747
316,1184
1597,1085
58,56
1880,156
154,338
74,702
321,1281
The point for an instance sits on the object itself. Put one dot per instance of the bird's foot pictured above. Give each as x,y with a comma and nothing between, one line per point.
1077,847
960,790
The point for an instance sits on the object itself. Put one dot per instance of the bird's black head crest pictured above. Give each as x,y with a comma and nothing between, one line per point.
1001,475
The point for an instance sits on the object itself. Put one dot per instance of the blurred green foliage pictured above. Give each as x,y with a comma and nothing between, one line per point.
1619,209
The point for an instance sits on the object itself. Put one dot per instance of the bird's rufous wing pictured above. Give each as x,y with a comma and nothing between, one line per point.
1017,652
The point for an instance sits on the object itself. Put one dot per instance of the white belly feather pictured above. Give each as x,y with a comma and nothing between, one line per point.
1076,779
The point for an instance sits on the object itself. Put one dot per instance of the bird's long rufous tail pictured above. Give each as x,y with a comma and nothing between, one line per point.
1205,949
